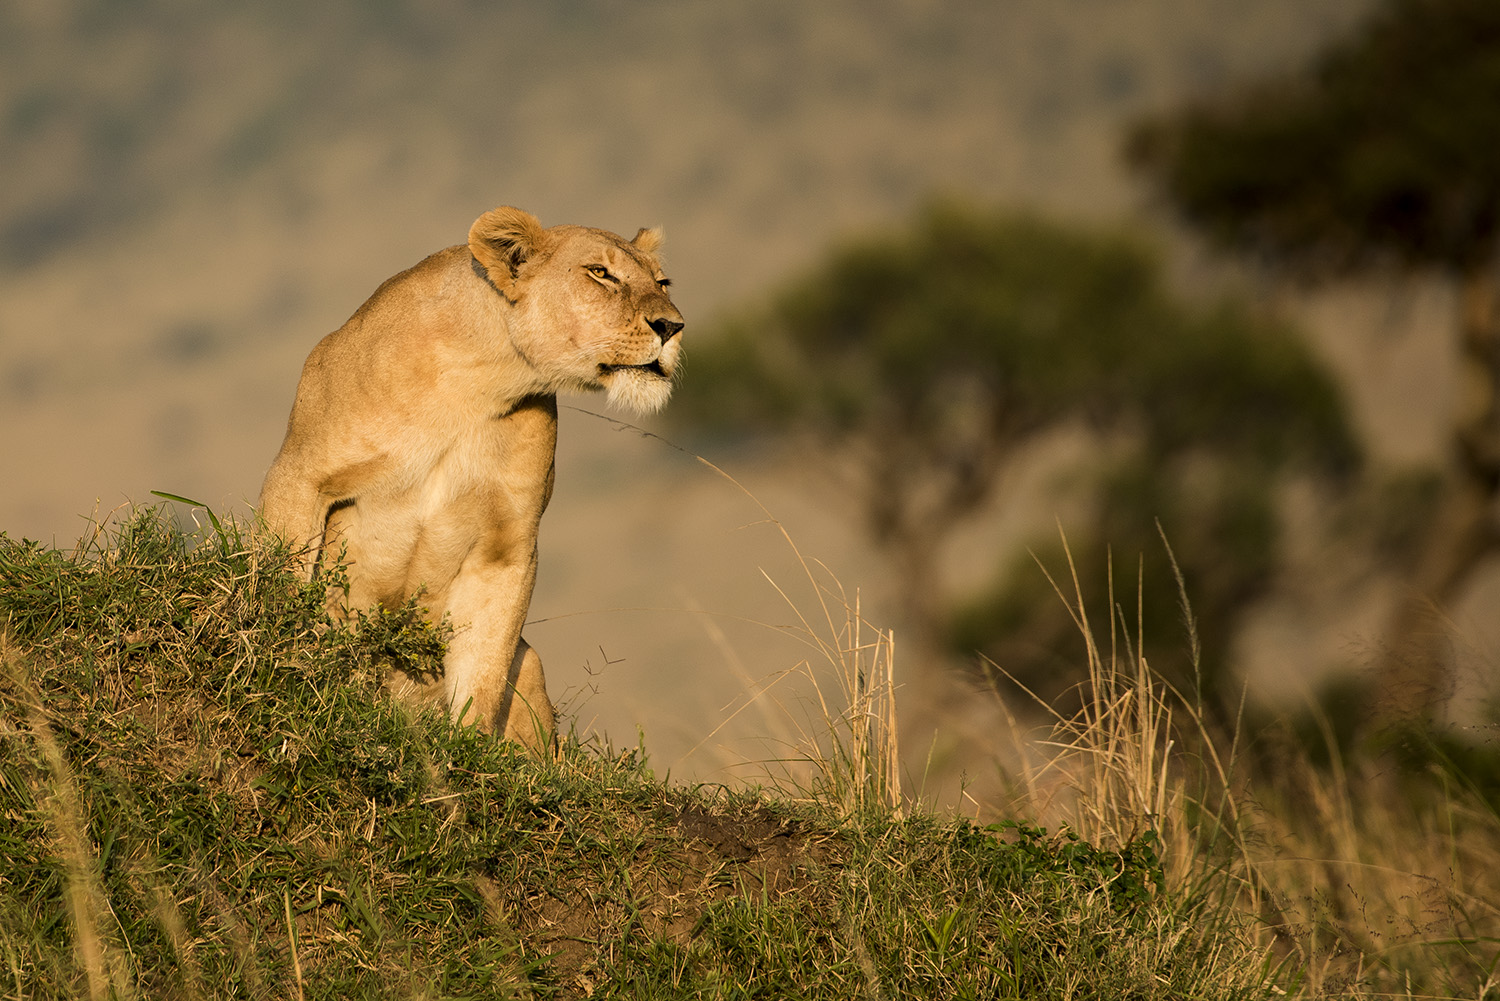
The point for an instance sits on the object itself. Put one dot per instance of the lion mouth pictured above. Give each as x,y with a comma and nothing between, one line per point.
651,368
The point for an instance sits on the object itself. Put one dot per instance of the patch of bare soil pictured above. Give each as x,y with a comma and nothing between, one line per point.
681,867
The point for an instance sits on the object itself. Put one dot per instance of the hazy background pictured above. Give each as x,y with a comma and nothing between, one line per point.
191,195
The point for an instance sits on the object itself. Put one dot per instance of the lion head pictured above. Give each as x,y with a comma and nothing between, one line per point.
591,309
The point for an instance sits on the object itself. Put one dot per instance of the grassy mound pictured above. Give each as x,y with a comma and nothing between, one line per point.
204,793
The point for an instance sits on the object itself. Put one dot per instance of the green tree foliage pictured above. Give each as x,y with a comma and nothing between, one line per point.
1383,152
1382,156
916,362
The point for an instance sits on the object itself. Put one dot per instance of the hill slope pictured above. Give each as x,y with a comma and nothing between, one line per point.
203,793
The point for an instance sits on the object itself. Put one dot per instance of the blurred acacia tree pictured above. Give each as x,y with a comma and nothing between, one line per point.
914,364
1383,158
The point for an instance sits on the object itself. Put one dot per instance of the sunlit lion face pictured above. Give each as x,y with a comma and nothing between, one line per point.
593,312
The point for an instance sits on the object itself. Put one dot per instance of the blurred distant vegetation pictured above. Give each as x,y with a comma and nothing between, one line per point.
916,365
1380,160
132,103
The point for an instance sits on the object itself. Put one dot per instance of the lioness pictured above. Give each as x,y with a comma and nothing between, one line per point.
421,440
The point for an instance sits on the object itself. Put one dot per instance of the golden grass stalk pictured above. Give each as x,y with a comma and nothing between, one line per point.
1371,881
1108,767
105,964
847,755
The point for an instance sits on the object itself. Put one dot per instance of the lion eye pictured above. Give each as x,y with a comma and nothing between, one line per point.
601,272
663,282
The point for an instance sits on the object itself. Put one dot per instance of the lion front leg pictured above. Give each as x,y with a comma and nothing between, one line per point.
525,713
514,705
492,678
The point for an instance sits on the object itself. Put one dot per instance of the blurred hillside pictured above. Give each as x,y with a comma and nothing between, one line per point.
191,195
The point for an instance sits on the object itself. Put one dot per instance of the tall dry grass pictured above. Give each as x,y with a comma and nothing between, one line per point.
1361,878
99,951
840,748
1357,878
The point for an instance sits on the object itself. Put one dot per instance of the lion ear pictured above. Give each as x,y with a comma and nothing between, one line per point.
502,240
649,240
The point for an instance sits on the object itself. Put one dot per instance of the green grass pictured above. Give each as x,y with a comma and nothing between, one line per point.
205,793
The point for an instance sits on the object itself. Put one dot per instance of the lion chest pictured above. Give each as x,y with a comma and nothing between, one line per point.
476,501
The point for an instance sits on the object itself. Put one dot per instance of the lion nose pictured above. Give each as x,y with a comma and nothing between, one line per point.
665,329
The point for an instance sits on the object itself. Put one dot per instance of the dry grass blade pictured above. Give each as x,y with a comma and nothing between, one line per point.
106,968
851,752
1113,752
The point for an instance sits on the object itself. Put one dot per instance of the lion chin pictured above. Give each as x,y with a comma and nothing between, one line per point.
638,388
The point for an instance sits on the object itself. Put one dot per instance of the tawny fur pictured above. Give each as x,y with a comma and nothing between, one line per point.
421,440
